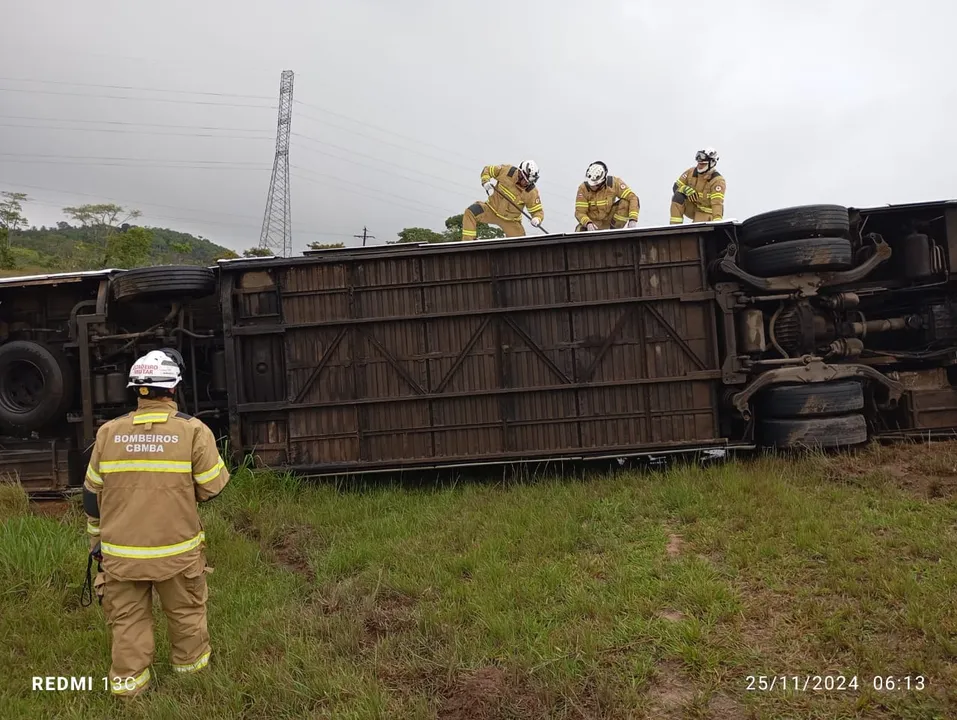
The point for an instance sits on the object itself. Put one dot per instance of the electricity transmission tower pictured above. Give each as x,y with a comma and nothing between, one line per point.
277,222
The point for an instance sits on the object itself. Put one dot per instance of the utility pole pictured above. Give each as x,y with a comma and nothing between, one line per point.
277,221
364,236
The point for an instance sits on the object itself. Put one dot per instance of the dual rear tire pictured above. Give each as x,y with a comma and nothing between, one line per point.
812,415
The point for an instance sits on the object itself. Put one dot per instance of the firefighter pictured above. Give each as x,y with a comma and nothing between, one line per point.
510,189
604,202
699,192
147,472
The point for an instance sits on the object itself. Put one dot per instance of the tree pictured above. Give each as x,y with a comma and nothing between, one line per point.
104,221
484,231
257,252
452,233
130,248
325,246
11,220
420,235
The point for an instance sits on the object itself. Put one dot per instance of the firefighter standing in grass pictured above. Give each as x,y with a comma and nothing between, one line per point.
604,202
699,192
510,189
147,472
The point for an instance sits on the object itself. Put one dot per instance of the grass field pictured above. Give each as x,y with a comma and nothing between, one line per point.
639,594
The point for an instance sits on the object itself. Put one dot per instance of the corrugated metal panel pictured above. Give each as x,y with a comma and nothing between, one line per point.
589,345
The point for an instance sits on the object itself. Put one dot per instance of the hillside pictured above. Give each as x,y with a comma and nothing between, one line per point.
66,248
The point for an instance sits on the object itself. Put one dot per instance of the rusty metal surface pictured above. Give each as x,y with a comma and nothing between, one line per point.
585,346
37,466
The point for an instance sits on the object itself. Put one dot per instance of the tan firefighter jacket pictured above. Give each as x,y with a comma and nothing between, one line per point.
507,176
147,471
709,186
598,205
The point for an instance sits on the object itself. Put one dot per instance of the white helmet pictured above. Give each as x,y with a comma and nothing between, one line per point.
157,369
529,169
708,155
596,173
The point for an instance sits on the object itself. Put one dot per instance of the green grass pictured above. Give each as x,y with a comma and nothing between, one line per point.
632,595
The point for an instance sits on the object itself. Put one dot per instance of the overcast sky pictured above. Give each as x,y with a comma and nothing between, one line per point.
400,103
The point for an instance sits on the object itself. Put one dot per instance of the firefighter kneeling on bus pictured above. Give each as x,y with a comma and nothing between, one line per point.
147,472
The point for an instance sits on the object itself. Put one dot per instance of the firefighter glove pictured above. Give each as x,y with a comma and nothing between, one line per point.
691,193
591,226
632,223
536,222
490,186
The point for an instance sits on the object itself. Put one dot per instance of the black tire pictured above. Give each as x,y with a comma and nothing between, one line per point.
186,282
811,399
803,221
36,386
798,256
810,433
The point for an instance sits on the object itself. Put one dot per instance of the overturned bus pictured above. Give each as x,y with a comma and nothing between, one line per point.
815,325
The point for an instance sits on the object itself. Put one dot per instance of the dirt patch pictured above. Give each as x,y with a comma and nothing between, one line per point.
722,707
670,692
50,508
926,470
488,694
290,550
391,613
671,615
245,525
675,543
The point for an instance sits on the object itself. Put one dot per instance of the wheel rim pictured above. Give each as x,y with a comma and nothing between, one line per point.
22,387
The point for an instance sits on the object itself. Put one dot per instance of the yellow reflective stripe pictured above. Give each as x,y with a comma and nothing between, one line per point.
601,202
92,529
581,204
676,219
535,208
620,217
193,667
507,192
704,209
121,686
170,466
468,233
93,476
150,418
211,474
633,214
716,195
147,553
625,193
716,217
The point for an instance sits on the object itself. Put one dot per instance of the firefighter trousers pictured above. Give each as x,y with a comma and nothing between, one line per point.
481,212
615,220
682,207
128,607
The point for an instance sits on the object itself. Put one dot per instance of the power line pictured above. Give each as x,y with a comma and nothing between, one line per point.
391,144
127,165
390,172
138,124
366,188
107,157
405,206
380,129
126,97
134,87
371,157
114,131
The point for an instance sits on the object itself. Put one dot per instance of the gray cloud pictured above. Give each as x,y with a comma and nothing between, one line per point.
820,101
